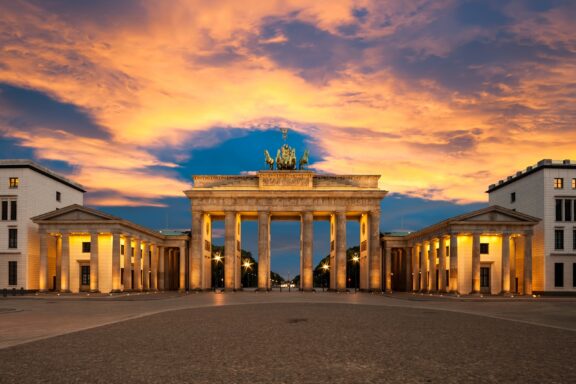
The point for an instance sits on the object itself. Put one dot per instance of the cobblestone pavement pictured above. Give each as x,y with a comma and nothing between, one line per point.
251,338
30,318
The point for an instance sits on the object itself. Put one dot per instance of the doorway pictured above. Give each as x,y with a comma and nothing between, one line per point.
84,277
485,279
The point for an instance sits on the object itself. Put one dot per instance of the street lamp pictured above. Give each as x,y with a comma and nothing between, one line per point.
325,268
247,265
355,259
218,259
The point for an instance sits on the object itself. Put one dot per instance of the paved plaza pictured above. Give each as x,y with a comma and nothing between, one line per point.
255,337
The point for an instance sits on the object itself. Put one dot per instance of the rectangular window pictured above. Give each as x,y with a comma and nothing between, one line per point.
573,183
558,239
513,197
567,210
447,252
558,209
13,210
86,247
12,273
58,196
558,183
12,238
484,248
574,274
13,182
121,275
574,239
121,249
4,210
558,275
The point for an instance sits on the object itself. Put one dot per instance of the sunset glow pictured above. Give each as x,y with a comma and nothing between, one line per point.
442,98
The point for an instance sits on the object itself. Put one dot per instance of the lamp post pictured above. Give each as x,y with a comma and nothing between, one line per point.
247,265
355,259
325,268
217,259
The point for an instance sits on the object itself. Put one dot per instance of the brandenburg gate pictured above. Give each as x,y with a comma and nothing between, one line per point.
285,194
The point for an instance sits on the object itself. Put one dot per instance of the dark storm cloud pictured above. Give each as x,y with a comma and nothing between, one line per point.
105,13
28,110
481,13
467,67
316,54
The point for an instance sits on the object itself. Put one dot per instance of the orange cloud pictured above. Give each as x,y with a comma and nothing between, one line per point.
187,66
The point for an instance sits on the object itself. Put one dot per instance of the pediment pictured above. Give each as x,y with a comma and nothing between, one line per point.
74,213
496,214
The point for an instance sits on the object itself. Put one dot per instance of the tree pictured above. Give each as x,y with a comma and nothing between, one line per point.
249,275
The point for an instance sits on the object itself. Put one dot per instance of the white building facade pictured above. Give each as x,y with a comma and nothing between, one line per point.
546,191
27,189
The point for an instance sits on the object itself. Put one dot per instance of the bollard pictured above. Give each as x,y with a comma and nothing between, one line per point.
21,291
13,291
5,292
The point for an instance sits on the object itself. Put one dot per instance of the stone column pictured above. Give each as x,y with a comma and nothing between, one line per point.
115,262
307,251
263,250
454,263
388,269
341,251
416,268
138,265
513,254
127,263
58,263
94,253
161,268
505,262
333,239
528,263
423,268
442,265
476,263
432,266
206,245
196,252
375,263
44,276
182,284
146,266
230,250
65,266
154,268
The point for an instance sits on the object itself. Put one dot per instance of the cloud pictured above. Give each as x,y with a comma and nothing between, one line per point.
424,93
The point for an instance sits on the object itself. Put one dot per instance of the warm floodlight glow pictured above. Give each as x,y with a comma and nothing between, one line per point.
217,257
325,267
247,264
355,258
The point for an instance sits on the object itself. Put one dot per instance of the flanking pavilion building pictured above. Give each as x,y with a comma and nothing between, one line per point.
486,251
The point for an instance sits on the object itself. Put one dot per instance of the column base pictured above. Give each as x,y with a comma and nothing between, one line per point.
94,291
115,291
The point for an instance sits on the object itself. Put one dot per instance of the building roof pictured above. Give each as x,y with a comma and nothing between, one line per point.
80,214
26,163
542,164
493,215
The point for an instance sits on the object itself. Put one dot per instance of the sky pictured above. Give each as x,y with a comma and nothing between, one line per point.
439,97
